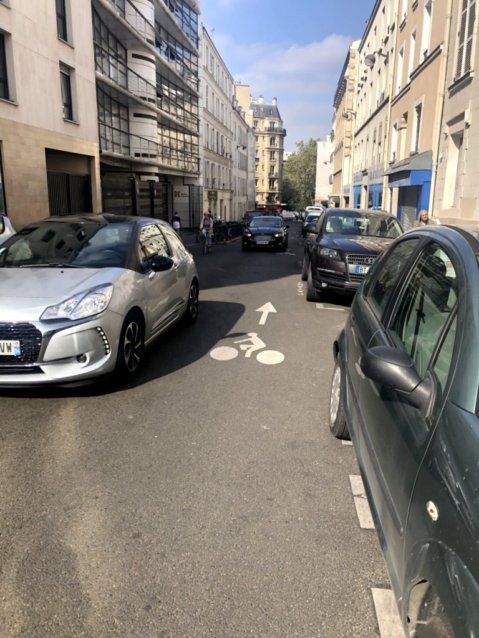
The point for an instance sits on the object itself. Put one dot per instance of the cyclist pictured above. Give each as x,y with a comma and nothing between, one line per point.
206,228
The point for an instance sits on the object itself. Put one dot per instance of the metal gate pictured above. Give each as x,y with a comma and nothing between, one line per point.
407,204
69,194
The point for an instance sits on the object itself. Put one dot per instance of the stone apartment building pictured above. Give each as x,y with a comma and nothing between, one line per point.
225,139
269,136
49,147
413,131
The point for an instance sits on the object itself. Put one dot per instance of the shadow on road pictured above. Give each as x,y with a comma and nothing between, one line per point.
176,349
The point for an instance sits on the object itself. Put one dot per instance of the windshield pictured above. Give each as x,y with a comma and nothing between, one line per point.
363,224
81,244
262,222
312,217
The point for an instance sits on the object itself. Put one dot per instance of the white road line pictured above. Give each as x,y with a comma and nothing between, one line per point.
344,442
322,306
361,502
389,622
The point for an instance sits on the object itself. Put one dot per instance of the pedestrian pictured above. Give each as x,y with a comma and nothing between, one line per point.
423,218
176,223
206,227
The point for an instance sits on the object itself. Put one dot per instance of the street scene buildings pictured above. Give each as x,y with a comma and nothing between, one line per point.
404,125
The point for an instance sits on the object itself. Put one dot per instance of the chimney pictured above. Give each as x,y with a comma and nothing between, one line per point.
260,100
275,101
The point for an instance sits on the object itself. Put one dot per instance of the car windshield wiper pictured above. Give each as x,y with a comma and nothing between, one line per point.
49,265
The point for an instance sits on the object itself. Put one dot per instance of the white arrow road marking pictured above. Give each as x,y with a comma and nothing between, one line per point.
265,310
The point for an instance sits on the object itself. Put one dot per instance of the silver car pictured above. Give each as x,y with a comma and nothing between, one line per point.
82,296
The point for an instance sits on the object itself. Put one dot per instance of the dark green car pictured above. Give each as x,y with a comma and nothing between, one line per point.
405,387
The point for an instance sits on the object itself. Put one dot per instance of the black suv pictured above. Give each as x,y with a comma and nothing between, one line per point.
347,243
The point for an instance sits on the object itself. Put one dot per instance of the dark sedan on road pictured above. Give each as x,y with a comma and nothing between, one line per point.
405,387
346,246
268,231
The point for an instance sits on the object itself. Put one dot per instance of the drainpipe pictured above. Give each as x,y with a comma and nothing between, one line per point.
389,110
440,107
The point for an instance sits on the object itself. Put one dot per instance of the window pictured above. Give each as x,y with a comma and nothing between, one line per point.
4,92
62,20
426,30
380,289
412,53
399,69
466,33
67,100
152,242
454,169
424,310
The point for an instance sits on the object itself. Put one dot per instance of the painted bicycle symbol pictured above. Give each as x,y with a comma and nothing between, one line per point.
249,345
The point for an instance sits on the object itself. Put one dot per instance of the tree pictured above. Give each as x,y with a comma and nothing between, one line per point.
299,176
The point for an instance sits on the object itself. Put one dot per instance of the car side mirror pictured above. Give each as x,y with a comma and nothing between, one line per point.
394,369
2,225
160,263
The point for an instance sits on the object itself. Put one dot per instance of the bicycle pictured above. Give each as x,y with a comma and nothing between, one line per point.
252,343
206,240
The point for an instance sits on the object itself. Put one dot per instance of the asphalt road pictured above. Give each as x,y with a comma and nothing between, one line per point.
207,499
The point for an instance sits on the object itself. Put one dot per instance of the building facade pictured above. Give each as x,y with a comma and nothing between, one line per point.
413,119
147,72
269,141
49,150
227,140
454,193
323,185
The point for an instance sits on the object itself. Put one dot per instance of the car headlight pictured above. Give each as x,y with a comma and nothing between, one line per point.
278,235
330,253
84,304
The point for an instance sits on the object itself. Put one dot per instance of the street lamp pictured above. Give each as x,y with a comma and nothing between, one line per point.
370,59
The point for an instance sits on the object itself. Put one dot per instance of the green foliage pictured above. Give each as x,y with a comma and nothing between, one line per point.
299,176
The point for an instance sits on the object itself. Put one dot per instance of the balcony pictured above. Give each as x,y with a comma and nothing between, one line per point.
114,142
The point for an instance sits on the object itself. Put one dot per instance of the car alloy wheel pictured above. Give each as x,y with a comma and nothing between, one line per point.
131,346
192,307
337,418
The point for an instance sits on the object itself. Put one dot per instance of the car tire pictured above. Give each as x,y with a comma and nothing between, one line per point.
337,417
305,268
192,307
131,347
311,293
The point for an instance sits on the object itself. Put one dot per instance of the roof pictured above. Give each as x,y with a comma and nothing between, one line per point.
265,110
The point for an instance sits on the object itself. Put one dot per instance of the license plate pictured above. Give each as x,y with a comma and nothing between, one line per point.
262,242
362,270
10,348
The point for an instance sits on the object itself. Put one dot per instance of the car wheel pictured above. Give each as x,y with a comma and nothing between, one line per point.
311,293
192,308
337,418
304,271
131,347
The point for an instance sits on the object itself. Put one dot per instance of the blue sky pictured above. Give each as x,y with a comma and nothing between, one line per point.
293,51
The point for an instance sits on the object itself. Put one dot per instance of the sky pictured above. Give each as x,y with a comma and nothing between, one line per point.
293,51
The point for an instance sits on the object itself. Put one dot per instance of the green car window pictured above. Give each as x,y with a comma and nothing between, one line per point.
380,290
424,310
